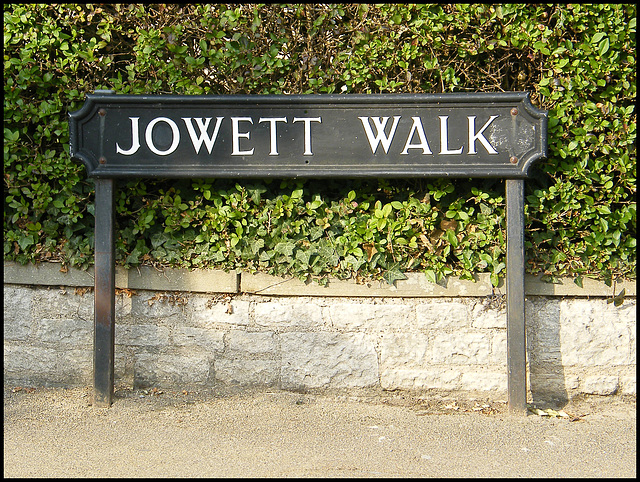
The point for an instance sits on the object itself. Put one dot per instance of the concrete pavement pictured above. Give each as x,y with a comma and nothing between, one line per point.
54,432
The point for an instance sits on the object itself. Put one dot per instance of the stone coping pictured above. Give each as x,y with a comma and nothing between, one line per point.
218,281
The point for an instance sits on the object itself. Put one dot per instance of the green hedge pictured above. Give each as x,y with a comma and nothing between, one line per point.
578,62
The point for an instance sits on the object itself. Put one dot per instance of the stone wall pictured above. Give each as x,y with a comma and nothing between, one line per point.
183,339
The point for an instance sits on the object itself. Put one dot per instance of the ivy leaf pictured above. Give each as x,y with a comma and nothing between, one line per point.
25,241
393,274
303,257
285,248
133,258
315,232
256,245
617,300
266,255
350,261
329,255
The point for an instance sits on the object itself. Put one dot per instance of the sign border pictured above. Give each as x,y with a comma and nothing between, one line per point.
104,99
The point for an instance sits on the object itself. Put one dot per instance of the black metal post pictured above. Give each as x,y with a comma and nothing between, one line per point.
516,341
104,295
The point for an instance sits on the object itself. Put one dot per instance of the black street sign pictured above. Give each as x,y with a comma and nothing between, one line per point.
358,135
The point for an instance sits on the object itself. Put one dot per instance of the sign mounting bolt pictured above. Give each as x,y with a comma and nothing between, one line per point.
513,160
102,160
514,111
102,112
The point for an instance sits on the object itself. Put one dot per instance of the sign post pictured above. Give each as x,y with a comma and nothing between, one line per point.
516,342
489,135
104,294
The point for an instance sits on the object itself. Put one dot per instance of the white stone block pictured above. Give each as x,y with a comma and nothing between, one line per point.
484,316
245,371
206,338
67,331
124,305
203,311
17,302
571,382
592,334
436,378
171,370
628,385
484,381
404,351
76,364
439,343
149,304
370,317
141,335
461,348
17,313
498,354
62,303
251,343
325,359
543,331
442,315
600,385
627,312
21,359
278,313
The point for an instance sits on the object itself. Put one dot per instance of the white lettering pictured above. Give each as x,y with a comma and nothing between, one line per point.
203,126
148,135
380,137
378,131
479,136
424,145
307,132
444,137
274,138
135,143
236,135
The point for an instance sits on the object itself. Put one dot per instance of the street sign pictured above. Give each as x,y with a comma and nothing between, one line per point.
406,135
496,135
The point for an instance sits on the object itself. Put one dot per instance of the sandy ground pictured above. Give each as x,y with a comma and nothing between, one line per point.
54,432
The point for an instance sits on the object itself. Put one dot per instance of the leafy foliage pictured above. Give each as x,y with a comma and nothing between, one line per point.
578,62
